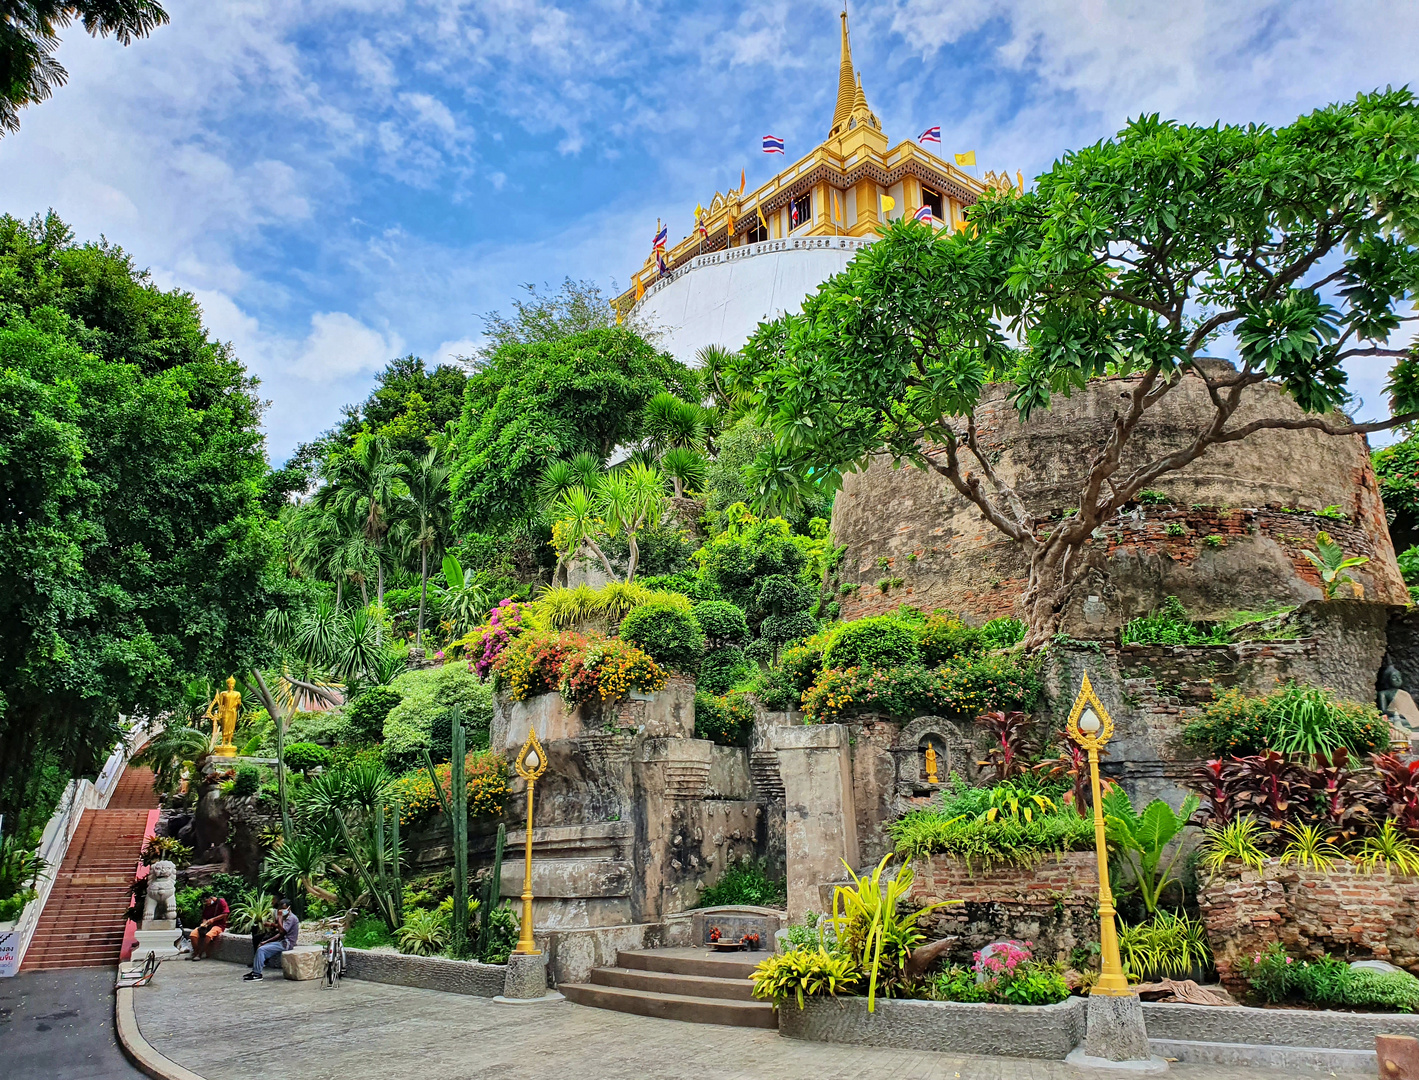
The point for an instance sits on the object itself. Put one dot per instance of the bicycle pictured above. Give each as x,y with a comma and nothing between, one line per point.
334,960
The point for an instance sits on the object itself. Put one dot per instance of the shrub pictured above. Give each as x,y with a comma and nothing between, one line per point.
723,669
423,716
484,644
247,781
1002,633
502,938
774,692
1008,976
727,721
968,687
1277,977
368,932
580,667
668,635
157,848
1303,719
803,663
746,883
967,822
188,902
304,756
424,933
944,637
486,775
1168,946
367,712
723,623
804,973
880,642
1170,625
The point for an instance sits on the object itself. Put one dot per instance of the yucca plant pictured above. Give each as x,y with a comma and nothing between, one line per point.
1310,845
1142,840
251,909
296,865
685,469
802,973
1235,841
1388,849
424,933
870,927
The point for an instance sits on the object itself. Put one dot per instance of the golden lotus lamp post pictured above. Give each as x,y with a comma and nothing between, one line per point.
531,764
1091,727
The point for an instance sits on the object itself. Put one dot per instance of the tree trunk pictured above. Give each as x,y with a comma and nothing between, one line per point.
423,592
1048,589
635,556
679,488
339,590
379,580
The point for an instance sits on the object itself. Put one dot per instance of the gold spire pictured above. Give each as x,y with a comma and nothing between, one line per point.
847,85
860,101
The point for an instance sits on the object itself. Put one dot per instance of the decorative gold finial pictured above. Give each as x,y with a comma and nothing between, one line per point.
847,85
531,763
1091,726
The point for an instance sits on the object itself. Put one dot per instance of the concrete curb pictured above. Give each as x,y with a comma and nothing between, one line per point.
138,1049
1243,1055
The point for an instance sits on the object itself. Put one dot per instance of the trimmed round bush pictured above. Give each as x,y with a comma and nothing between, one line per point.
723,623
247,781
670,636
944,637
304,756
423,716
727,721
367,712
881,642
721,669
780,629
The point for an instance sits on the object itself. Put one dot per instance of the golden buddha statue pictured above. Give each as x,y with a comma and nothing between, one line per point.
223,711
931,777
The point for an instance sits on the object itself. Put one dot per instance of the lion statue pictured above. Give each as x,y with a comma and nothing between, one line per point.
162,892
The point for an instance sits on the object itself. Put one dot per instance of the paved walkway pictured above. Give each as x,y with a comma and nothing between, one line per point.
58,1025
204,1017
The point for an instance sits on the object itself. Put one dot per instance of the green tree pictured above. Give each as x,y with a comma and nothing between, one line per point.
1397,469
29,37
410,406
366,483
425,520
1127,258
531,404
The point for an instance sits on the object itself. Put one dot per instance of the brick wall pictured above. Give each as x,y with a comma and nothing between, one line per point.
1343,911
1052,904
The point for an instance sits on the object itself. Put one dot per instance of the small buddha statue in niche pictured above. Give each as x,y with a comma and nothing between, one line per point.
931,777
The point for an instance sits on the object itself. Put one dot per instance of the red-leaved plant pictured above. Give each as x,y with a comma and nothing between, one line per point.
1011,743
1399,779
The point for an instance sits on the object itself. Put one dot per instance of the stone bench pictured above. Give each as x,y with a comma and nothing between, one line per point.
303,962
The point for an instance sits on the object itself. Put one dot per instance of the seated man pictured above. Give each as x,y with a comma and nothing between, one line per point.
215,913
279,940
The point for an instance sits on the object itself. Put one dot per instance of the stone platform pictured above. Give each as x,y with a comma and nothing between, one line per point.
200,1016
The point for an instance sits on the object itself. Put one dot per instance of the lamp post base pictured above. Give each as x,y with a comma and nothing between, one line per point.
1116,1036
1081,1060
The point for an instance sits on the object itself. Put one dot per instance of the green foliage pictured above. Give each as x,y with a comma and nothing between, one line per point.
421,719
943,637
248,780
802,663
1095,270
669,634
188,902
1328,982
1235,841
881,642
501,936
368,932
964,688
424,933
1388,850
1002,633
804,973
537,401
1397,469
723,623
133,462
368,712
1006,841
774,691
1027,982
1331,562
1142,841
251,908
1168,946
1170,625
746,883
304,756
723,669
408,407
1295,719
727,720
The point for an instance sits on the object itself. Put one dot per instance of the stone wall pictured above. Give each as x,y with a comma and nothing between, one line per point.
947,556
1051,904
1343,911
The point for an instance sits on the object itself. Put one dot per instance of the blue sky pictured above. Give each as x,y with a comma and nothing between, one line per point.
343,181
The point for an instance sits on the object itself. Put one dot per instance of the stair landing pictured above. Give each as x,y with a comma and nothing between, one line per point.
694,985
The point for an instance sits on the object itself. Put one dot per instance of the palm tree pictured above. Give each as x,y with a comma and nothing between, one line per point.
670,422
578,523
628,501
367,481
427,514
685,467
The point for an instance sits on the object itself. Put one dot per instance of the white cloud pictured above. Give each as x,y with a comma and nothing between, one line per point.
339,345
452,352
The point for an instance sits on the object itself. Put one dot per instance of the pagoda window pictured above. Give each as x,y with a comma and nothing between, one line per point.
756,234
934,200
800,211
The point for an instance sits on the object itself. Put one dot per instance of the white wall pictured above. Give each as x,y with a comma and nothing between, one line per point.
721,298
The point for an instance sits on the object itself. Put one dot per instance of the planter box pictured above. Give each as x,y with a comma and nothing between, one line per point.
1030,1031
1344,911
1323,1029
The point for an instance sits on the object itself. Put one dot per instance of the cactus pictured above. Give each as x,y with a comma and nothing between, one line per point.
491,888
397,886
458,799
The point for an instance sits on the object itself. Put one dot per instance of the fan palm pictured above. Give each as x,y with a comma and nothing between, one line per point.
366,482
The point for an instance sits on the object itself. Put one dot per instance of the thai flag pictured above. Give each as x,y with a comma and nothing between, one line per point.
924,215
660,237
931,134
773,144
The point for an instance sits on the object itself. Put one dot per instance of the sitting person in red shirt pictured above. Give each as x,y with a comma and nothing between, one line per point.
214,920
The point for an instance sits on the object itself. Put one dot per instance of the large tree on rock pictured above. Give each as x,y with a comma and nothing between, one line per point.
1294,248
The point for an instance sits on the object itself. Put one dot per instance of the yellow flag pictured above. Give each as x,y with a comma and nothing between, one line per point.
741,181
640,290
888,204
968,158
617,309
763,221
731,224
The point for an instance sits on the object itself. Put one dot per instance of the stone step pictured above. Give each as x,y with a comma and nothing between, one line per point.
687,962
667,983
695,1010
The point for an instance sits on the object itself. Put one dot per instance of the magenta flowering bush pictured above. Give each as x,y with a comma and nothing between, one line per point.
484,644
1007,975
1004,958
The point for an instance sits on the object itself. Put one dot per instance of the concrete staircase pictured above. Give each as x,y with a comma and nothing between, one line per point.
83,919
695,985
